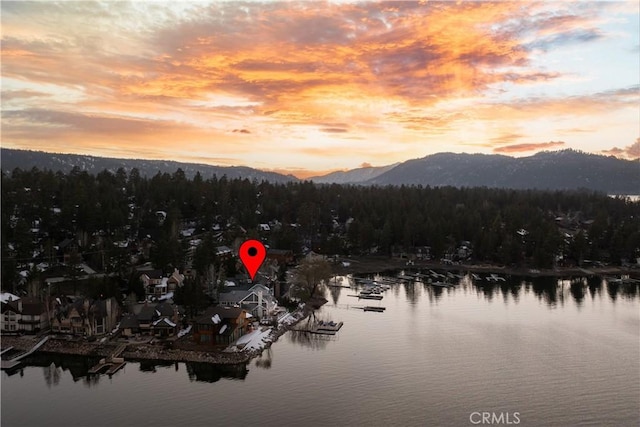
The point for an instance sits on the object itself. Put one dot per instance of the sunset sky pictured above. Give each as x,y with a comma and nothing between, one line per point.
310,87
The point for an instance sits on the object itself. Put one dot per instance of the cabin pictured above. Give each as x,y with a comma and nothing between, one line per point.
220,325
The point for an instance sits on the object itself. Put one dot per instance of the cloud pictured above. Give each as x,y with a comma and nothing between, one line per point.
519,148
366,165
302,76
631,152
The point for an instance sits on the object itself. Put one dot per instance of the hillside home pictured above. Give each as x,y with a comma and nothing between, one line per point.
28,315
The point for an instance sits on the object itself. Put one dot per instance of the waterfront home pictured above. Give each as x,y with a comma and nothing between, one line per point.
27,315
150,319
84,316
34,316
220,325
129,325
258,300
11,314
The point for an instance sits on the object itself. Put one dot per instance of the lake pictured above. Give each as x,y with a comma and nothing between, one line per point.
534,352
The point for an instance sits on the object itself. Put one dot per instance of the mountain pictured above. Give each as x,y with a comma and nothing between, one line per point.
25,159
353,176
553,170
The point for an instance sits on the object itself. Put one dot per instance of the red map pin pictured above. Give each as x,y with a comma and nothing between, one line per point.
252,254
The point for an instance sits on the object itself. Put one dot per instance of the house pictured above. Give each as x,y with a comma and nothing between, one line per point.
175,280
34,317
223,252
23,315
153,283
66,249
257,300
11,314
220,325
129,325
282,256
264,227
151,319
85,316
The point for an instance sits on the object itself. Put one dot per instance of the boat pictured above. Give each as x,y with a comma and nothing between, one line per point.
370,296
376,309
440,284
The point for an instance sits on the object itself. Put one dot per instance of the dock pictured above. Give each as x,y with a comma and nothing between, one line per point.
10,364
6,350
323,328
110,365
374,309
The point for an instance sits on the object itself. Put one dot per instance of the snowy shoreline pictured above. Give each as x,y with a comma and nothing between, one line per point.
249,346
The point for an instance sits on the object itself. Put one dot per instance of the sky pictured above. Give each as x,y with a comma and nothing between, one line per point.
311,87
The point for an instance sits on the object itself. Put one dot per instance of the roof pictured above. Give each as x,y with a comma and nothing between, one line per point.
32,306
9,306
165,309
233,296
152,274
222,312
129,321
164,323
146,313
6,296
279,252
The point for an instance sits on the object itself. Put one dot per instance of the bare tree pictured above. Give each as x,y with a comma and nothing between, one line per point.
310,274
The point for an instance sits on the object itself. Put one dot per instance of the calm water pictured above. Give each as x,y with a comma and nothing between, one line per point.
554,353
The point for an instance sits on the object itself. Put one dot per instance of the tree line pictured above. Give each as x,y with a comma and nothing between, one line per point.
513,227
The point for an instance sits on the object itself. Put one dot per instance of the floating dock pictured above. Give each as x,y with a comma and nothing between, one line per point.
323,328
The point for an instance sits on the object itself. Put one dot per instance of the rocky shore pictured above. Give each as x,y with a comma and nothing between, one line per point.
145,351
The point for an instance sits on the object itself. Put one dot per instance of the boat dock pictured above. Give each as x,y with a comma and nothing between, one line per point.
324,328
6,350
373,308
112,364
9,364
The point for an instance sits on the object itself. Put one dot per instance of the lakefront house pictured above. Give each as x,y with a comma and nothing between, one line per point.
220,325
84,316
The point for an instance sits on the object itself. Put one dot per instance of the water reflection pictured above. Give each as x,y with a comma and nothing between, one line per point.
551,290
207,372
309,340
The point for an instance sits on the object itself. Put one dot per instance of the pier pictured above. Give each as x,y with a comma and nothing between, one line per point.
112,364
9,364
323,328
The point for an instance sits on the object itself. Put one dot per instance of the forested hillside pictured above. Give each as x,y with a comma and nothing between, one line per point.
534,228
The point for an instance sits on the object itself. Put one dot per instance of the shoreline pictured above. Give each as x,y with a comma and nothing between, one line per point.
379,265
144,351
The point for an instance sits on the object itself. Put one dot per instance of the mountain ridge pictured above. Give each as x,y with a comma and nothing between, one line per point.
548,170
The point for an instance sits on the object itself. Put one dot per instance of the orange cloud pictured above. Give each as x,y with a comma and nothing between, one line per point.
519,148
631,152
280,81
